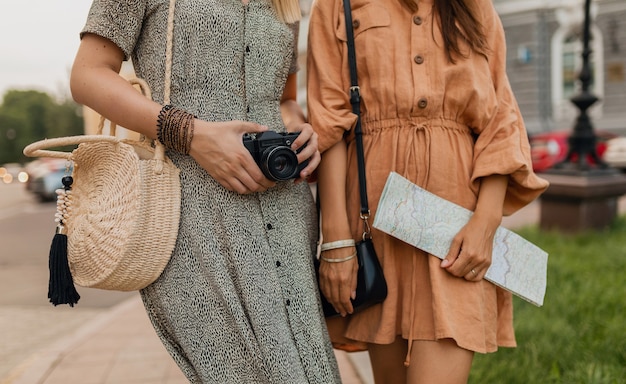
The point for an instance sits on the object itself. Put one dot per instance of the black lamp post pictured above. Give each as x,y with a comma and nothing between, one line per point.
582,142
583,190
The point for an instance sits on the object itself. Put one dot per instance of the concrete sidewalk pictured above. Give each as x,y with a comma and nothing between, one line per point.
120,346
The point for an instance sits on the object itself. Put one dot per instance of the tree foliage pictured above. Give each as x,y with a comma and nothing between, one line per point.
29,115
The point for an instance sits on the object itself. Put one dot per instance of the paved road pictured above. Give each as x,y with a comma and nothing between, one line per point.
28,321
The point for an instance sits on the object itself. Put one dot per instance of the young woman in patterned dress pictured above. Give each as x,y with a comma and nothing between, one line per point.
238,301
438,109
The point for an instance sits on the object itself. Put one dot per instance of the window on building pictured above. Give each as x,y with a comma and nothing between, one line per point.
572,65
567,62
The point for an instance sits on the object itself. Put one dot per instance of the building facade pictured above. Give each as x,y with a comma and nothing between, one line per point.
544,40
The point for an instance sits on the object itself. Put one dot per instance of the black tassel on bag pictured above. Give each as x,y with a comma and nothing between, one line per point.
61,288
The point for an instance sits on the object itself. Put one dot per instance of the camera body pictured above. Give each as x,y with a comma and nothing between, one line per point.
273,154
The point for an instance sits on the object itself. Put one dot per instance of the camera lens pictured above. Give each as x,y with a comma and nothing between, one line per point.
279,163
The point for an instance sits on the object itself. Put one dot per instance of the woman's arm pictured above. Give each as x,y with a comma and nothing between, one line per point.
296,122
471,249
217,147
96,83
337,280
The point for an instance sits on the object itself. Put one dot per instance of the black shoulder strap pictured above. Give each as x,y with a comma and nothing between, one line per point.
355,100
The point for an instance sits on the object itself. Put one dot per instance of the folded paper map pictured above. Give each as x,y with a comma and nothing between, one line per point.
428,222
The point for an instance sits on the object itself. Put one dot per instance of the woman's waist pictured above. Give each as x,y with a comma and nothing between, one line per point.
371,125
401,127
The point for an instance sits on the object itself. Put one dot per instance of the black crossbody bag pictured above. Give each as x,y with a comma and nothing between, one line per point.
371,285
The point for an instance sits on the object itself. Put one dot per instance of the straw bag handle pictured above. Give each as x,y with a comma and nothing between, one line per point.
39,148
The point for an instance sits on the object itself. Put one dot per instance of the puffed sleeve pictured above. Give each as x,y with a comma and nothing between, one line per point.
502,145
328,104
117,20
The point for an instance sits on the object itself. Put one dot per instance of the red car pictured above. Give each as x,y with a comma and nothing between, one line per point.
549,148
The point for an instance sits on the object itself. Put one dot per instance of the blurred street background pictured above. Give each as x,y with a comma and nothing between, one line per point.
28,322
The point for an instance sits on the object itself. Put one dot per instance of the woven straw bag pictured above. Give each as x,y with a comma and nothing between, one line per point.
118,214
121,216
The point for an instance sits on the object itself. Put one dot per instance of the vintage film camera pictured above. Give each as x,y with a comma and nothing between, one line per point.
272,152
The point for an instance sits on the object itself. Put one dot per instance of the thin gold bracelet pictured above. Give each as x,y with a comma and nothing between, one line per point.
338,260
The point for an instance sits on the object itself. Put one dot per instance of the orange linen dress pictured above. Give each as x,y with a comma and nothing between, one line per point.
443,126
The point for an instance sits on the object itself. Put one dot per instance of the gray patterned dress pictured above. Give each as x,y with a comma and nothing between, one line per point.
238,301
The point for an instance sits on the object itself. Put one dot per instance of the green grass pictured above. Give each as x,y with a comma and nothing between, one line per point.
579,335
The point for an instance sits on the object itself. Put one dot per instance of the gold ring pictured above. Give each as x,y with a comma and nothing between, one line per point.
473,271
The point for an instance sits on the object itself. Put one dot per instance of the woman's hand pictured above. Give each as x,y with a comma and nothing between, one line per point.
218,148
308,140
338,280
470,252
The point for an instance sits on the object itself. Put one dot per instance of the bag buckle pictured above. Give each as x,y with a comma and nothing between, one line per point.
355,94
366,225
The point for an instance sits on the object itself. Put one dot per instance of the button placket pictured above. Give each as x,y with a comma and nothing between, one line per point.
418,59
419,68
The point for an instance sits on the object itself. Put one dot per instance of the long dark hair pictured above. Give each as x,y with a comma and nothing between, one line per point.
459,22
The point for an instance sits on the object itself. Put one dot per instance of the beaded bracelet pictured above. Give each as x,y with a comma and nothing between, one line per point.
337,244
175,128
328,260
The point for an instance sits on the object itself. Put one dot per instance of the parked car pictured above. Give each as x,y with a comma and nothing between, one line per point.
13,173
615,153
45,176
550,148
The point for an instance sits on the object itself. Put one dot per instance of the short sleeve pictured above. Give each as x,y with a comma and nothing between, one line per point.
295,28
502,145
117,20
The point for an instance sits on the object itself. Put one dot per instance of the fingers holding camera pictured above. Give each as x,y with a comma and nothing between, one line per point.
217,147
307,171
306,144
306,132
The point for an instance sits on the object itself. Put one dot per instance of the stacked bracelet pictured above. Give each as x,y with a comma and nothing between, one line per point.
175,129
337,244
329,260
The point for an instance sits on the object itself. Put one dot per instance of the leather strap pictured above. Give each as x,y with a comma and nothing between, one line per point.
355,100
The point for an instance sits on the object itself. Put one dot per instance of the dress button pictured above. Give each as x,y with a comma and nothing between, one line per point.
418,59
288,302
269,226
356,24
247,48
278,263
422,103
417,20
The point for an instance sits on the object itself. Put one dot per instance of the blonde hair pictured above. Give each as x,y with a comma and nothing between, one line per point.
288,10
